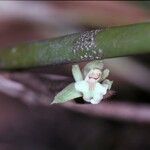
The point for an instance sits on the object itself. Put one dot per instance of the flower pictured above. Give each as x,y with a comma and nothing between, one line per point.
92,90
91,84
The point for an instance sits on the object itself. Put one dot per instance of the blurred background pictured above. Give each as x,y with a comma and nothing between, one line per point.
27,121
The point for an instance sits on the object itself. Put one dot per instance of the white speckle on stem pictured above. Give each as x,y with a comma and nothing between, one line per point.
13,50
86,41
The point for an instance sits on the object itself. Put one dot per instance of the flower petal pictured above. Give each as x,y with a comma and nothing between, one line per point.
68,93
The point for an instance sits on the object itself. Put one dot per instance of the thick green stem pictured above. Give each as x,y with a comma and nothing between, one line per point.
90,45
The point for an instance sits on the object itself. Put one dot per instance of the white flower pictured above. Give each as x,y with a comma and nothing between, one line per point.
92,90
91,84
95,95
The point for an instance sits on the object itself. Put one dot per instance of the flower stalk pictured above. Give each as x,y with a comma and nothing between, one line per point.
87,46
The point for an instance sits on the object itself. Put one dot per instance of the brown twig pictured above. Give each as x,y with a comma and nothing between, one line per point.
18,90
116,110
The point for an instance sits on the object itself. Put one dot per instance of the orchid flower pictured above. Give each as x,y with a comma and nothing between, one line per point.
91,84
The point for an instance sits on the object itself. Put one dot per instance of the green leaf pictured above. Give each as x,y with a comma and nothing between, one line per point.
68,93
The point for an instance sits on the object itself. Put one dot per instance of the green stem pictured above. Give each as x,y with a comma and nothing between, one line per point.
106,43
